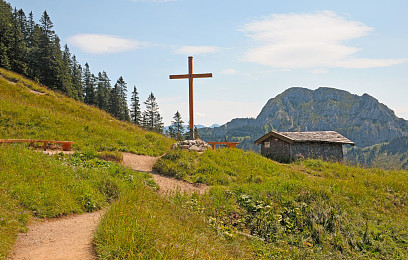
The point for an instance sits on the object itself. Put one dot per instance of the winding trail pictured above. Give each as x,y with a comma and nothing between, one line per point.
167,184
70,237
63,238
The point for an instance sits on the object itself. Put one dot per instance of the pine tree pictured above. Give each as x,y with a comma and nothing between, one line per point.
30,29
50,56
65,73
102,91
45,52
135,112
17,49
124,109
118,104
114,101
177,127
158,123
76,79
23,24
151,116
6,33
89,86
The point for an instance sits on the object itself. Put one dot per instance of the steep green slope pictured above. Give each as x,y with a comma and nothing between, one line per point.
310,209
30,111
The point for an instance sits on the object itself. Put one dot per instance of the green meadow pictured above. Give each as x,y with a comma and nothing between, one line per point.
308,209
255,208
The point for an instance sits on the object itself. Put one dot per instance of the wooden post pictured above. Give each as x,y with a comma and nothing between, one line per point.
190,76
191,96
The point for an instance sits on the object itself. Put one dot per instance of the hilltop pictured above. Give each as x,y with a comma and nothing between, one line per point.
39,113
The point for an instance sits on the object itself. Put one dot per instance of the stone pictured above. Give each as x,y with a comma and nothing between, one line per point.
192,145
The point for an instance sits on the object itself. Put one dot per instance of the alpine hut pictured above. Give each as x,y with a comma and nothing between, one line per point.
289,146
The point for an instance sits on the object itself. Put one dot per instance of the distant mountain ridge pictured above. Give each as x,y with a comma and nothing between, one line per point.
362,119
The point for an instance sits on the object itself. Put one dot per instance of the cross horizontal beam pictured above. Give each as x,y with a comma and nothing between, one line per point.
195,76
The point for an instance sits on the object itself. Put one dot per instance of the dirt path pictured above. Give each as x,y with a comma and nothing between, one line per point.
166,184
140,163
63,238
71,237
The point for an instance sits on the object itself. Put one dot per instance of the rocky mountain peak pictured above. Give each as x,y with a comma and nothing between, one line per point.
362,119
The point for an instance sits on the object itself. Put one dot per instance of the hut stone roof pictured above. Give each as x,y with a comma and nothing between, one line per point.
317,136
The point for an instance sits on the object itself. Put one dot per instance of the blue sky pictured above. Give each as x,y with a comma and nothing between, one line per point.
255,49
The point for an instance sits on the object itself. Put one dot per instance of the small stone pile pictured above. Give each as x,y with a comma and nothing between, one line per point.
197,145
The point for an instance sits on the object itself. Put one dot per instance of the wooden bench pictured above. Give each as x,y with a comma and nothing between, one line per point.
66,145
230,144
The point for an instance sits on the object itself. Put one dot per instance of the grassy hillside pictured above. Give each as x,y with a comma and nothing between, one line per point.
309,209
35,184
32,111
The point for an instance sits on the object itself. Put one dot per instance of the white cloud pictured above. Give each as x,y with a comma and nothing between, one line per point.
229,71
196,50
290,41
101,43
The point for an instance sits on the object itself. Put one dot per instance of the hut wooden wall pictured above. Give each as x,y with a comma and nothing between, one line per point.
324,151
278,150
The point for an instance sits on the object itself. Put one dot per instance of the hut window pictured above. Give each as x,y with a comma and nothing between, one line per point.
267,144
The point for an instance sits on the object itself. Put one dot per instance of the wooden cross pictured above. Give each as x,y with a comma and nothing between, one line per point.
190,76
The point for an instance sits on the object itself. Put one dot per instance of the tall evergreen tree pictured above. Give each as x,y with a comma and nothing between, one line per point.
50,55
65,73
76,79
118,104
177,128
17,49
102,91
23,24
30,29
151,116
6,33
89,86
34,55
124,109
135,112
114,101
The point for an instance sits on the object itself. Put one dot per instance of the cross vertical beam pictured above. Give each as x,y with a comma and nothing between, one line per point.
191,95
190,76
